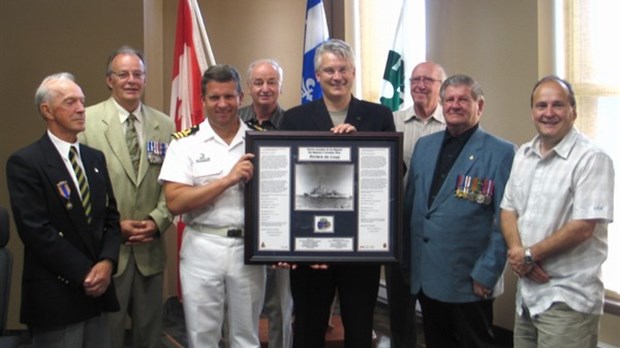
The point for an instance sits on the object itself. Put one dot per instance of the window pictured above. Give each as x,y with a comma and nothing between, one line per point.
589,56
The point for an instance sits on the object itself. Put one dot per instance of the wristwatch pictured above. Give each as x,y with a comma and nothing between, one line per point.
528,259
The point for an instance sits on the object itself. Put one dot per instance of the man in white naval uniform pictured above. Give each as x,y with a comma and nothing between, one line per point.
203,176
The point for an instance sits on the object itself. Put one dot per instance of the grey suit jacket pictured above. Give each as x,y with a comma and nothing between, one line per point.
138,197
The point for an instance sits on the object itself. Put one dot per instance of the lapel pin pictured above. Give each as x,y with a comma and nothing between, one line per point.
64,189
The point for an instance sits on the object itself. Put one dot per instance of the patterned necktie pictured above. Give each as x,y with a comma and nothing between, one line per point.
131,136
82,182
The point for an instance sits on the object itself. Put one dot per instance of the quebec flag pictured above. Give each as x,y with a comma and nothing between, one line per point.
315,34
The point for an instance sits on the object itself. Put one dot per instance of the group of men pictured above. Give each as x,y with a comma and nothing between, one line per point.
92,198
471,205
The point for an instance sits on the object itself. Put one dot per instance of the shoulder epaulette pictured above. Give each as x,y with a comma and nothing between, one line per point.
186,132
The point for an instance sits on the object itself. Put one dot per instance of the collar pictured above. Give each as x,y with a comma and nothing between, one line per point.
436,116
123,113
562,149
461,137
270,124
206,133
62,146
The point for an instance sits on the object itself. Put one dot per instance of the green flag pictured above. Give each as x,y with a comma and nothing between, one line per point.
393,91
394,81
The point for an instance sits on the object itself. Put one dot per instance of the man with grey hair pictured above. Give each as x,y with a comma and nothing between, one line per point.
314,286
65,212
424,117
451,209
134,137
264,81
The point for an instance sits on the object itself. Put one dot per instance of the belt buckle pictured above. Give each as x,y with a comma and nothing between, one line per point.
234,233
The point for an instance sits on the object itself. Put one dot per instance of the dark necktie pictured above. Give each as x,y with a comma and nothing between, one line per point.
82,182
131,136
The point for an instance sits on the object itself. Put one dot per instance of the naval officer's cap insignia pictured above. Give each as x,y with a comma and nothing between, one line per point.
186,132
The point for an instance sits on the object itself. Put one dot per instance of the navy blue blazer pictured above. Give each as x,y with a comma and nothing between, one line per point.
456,240
60,246
313,116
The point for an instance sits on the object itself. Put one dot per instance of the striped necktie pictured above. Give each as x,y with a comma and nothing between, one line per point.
131,137
82,182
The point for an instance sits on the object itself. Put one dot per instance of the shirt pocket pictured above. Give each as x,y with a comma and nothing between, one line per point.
205,173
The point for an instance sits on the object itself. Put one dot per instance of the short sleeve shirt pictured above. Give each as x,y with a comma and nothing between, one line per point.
573,181
201,158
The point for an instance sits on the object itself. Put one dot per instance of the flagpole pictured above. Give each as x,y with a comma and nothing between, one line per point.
203,32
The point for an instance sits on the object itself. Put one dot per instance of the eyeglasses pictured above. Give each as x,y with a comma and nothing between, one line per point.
426,81
329,71
124,75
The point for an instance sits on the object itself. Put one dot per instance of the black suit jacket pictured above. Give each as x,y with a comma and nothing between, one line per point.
357,284
60,246
313,116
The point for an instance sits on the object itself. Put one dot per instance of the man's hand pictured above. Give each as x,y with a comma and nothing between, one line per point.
517,262
98,279
534,271
285,265
481,290
138,231
344,128
538,274
243,170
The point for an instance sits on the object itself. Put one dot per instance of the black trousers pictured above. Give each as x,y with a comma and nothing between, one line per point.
402,307
457,325
313,293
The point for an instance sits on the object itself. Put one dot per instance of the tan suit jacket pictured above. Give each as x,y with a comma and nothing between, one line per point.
139,197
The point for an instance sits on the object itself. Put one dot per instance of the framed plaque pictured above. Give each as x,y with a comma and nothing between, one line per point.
320,197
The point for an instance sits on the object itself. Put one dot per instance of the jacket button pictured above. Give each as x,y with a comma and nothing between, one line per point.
425,239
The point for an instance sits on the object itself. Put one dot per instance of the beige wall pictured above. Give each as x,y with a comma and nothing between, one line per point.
494,41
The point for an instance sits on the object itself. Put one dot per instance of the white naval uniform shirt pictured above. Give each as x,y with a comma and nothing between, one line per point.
574,181
201,158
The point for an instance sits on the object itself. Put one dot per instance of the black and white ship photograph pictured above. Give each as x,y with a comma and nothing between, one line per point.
320,186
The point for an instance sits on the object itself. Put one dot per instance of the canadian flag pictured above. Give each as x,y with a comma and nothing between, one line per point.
190,62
